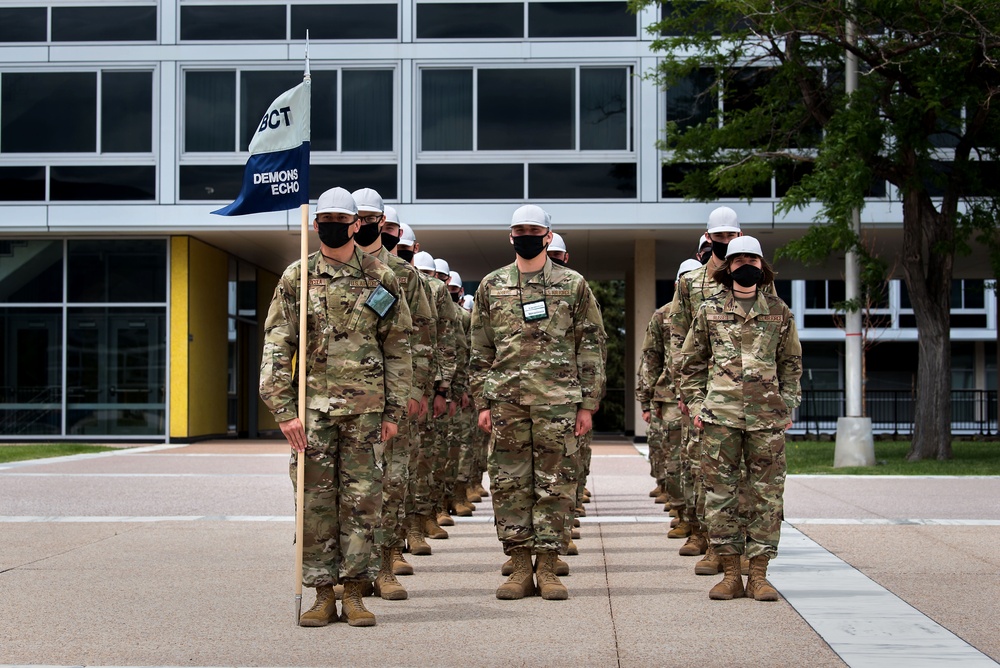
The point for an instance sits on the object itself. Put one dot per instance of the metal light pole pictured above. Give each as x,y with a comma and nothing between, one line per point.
854,446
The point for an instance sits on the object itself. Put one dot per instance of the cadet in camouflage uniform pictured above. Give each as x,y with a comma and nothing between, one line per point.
740,375
358,363
536,375
462,427
693,288
379,238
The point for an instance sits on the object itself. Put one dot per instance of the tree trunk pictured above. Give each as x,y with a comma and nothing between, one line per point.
927,268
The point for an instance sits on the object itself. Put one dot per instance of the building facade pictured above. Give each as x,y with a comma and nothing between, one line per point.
128,311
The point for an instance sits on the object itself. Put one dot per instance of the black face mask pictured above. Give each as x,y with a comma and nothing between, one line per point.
334,235
561,263
406,255
389,241
455,296
704,256
747,275
719,249
529,246
367,235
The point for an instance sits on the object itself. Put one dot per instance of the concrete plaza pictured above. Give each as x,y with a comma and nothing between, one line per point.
183,556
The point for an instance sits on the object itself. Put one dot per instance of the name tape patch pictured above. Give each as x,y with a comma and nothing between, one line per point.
719,317
771,318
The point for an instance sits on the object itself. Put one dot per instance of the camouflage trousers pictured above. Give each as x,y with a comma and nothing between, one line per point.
431,455
691,482
533,474
342,496
666,456
583,456
763,454
458,438
395,486
465,432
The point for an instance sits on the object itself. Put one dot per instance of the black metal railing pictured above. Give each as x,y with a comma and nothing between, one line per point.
891,411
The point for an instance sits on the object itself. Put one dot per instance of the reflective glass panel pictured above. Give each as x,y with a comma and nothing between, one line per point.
116,371
526,109
582,181
470,20
31,271
127,112
232,22
470,181
690,102
446,109
367,109
382,178
360,21
604,108
580,19
112,270
257,91
104,24
106,182
23,24
212,182
210,111
22,184
30,371
48,112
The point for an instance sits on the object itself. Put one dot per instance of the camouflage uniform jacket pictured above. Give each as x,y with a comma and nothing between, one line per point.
462,329
356,362
552,361
446,343
422,319
656,373
435,355
740,369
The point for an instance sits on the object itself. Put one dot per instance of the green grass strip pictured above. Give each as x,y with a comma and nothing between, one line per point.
969,458
17,453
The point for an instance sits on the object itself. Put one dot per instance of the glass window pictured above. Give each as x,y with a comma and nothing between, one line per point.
470,181
323,124
582,181
32,271
116,371
210,111
526,109
104,182
382,178
127,112
23,24
232,22
361,21
30,371
968,293
132,270
672,174
691,101
580,19
22,184
784,290
470,20
212,182
604,108
816,294
104,24
446,109
257,91
367,109
35,116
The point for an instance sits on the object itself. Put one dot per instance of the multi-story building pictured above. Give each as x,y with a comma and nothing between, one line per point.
128,311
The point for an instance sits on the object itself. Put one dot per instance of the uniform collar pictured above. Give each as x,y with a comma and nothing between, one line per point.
759,306
542,277
324,266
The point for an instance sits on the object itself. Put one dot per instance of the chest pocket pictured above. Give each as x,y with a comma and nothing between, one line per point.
767,333
560,320
505,310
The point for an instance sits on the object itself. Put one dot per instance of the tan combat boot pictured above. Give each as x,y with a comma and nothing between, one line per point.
520,582
562,568
697,543
572,549
459,503
661,498
549,585
732,583
758,588
386,585
432,529
656,491
443,520
415,537
472,494
400,566
710,565
682,530
744,565
576,522
353,607
481,491
324,610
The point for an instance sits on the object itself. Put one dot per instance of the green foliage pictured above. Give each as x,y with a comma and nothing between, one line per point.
970,458
611,296
17,453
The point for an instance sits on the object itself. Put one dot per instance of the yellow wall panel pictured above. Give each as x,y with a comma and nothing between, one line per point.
208,300
178,337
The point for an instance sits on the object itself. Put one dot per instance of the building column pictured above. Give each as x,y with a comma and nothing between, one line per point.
641,302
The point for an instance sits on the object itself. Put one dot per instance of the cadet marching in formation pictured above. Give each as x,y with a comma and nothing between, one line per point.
415,389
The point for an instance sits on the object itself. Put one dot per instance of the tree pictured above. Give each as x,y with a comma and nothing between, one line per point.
611,296
922,119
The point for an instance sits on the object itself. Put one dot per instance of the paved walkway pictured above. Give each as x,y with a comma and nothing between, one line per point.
182,556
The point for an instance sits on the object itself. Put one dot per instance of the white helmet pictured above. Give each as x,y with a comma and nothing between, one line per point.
441,266
723,219
455,278
391,215
368,200
531,214
744,246
424,261
336,200
467,302
557,243
702,241
408,239
686,266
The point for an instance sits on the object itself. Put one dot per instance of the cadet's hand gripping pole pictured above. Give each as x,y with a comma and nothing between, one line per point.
300,460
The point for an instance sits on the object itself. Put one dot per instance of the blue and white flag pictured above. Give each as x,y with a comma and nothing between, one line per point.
276,177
